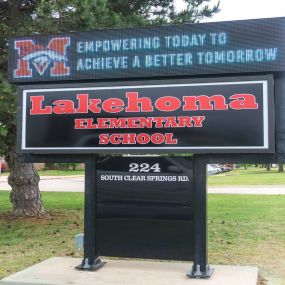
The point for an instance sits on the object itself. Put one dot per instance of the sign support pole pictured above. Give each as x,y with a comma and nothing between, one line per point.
91,260
200,268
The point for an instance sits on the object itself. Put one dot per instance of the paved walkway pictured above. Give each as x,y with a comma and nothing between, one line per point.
60,270
76,184
256,190
53,183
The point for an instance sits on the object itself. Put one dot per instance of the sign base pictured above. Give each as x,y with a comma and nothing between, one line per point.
198,274
98,263
60,270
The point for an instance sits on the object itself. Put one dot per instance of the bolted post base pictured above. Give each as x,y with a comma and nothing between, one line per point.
198,274
98,263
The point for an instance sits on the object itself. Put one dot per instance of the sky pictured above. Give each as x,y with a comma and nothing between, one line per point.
245,9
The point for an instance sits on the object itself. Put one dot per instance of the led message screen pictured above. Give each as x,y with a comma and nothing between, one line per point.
217,115
174,50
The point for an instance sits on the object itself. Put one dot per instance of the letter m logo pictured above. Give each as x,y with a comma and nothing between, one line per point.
37,58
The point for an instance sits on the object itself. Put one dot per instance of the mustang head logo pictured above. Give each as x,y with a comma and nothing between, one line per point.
41,57
52,57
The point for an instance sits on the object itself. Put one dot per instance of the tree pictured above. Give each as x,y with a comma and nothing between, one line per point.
24,17
268,167
24,180
280,167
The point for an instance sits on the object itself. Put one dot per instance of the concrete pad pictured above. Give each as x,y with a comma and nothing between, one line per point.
60,271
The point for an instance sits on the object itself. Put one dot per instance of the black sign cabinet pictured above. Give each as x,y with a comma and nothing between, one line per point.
211,90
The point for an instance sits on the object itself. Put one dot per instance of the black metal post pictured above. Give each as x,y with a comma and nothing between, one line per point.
90,261
200,268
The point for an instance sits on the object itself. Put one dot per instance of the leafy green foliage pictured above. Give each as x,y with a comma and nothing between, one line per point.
62,15
61,166
7,111
195,11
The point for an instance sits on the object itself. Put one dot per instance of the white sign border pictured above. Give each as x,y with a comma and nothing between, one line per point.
265,116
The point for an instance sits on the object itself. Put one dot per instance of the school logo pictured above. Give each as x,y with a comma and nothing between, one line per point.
38,58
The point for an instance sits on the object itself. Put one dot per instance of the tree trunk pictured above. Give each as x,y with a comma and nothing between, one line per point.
24,180
281,168
268,167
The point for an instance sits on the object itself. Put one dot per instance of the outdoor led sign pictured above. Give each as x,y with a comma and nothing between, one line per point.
174,50
229,115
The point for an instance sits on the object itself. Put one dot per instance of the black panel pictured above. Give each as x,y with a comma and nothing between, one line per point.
152,182
145,219
140,238
226,126
280,113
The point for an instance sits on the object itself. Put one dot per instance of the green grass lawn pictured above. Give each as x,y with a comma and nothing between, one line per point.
26,241
243,229
251,176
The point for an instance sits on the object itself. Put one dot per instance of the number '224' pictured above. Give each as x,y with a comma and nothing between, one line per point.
144,167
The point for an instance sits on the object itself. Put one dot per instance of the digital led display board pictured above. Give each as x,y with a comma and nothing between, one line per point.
174,50
207,116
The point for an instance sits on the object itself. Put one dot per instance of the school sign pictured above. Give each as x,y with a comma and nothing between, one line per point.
215,90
